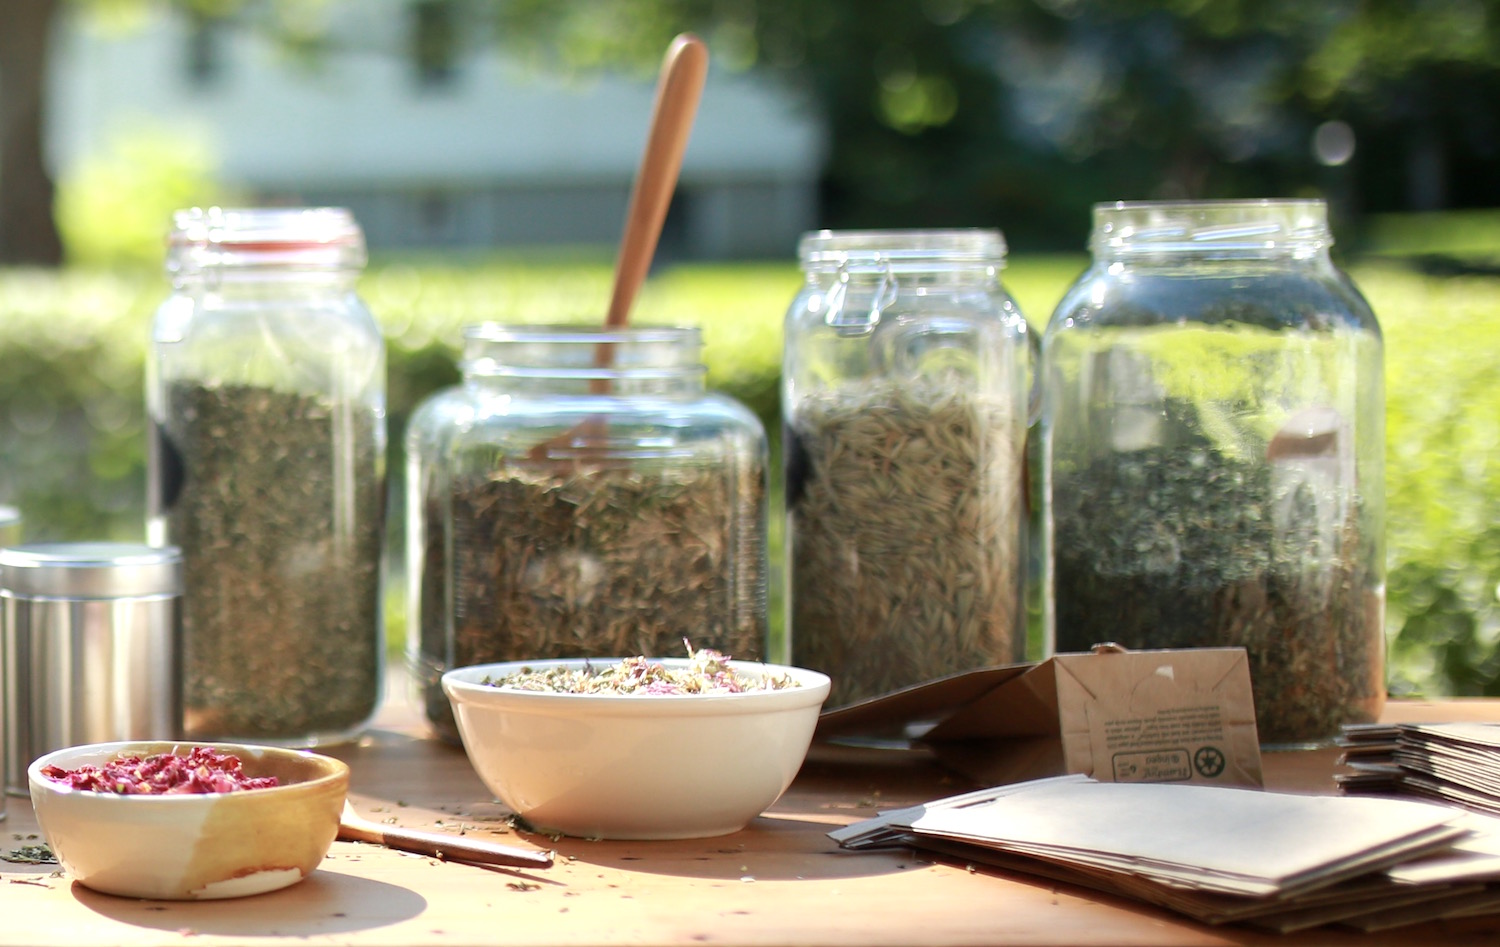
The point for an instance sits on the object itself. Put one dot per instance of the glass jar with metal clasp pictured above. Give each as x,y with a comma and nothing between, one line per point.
905,411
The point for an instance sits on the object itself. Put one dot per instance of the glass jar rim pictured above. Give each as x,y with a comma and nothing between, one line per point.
578,333
263,237
1253,225
878,247
579,351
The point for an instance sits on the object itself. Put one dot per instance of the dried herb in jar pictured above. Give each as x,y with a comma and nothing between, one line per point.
906,542
1187,546
279,518
593,560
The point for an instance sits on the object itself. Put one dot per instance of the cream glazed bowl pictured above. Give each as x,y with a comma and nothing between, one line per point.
192,845
635,766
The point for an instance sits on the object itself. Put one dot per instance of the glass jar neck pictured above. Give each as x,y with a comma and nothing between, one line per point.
935,254
1188,232
582,360
264,250
265,283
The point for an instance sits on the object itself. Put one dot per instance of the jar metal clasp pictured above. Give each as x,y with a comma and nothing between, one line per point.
848,320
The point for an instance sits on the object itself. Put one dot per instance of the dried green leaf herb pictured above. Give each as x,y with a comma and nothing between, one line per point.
279,518
906,508
1185,546
592,560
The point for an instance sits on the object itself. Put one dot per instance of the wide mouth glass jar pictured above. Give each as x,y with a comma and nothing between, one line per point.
1213,454
580,495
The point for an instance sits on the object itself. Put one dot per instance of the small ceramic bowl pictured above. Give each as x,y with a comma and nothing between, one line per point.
191,846
635,766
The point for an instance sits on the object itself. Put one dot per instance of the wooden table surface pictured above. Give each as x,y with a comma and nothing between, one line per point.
780,881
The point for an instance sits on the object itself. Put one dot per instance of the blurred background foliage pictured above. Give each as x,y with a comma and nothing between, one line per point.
958,112
1010,113
1028,111
72,418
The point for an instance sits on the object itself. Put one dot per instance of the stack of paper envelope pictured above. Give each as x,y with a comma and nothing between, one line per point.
1452,762
1218,854
1369,750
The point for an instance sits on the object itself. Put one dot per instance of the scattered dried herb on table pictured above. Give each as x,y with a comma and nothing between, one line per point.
30,855
1185,546
552,561
906,543
279,518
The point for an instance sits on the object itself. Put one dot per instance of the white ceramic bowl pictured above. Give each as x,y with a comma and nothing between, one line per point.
635,766
189,846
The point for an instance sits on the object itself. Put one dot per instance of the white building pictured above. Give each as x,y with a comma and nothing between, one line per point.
456,147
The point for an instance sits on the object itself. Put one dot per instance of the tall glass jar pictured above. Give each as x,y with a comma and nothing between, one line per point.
266,393
1213,440
580,494
905,408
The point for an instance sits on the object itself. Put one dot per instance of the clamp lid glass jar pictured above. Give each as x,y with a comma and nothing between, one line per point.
580,494
266,392
1213,438
905,408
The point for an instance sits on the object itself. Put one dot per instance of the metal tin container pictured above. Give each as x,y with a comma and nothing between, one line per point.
90,633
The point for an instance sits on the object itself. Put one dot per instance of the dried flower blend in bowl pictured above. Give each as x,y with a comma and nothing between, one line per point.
708,672
635,748
203,770
159,819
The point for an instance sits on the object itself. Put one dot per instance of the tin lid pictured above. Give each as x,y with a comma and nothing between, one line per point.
91,570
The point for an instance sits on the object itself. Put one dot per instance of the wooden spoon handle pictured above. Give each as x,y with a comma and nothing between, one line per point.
450,847
678,89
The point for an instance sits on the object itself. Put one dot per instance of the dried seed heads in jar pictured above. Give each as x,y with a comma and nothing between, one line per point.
906,512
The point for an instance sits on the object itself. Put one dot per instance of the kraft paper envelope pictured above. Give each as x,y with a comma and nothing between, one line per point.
1119,716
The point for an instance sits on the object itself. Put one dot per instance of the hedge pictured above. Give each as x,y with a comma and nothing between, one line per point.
72,345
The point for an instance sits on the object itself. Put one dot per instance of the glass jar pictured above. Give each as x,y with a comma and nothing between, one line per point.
905,409
580,494
266,393
1213,449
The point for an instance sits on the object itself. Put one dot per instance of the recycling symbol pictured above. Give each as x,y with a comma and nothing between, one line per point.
1208,761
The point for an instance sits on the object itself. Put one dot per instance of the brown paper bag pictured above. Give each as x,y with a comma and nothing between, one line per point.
1118,716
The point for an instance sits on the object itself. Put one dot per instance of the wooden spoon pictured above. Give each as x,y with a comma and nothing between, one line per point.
679,88
354,828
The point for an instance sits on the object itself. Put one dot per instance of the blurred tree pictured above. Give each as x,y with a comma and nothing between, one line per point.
946,112
27,234
952,111
28,230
